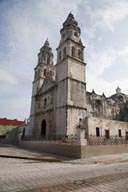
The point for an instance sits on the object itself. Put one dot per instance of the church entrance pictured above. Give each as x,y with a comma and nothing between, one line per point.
43,128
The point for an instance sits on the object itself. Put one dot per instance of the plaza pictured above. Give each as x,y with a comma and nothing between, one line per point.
102,174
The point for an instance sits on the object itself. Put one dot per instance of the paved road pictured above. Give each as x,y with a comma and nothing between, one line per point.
34,176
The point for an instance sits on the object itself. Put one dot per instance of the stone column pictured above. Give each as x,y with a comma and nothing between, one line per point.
81,136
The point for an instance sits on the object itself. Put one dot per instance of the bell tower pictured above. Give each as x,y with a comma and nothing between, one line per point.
70,72
70,43
43,67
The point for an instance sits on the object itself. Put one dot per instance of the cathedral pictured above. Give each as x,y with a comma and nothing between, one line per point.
60,104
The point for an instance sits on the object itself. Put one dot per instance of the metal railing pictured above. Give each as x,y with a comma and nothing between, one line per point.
102,140
91,140
49,138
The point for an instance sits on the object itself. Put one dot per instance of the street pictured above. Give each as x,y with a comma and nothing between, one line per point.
36,176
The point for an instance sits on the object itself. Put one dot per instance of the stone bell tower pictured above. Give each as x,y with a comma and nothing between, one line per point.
70,73
44,66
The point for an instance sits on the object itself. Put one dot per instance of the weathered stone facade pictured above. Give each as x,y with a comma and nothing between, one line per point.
58,97
113,107
60,102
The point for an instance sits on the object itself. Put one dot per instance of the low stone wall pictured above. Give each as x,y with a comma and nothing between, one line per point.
53,147
89,151
74,150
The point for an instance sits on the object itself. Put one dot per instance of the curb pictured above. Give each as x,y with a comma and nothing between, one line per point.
33,158
107,161
104,161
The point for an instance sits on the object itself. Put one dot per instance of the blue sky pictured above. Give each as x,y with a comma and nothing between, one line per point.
26,24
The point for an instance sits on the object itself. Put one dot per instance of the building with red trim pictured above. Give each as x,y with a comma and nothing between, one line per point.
8,125
10,122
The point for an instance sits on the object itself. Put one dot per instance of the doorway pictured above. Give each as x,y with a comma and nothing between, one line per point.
107,134
43,128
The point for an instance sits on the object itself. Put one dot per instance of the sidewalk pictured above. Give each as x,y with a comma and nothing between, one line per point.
105,159
9,151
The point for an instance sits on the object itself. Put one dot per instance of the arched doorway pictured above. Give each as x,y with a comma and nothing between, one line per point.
43,128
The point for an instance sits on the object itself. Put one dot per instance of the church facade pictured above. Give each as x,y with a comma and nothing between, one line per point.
61,105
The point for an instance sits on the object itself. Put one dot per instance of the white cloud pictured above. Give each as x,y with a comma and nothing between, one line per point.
107,16
89,33
123,54
99,60
112,14
7,77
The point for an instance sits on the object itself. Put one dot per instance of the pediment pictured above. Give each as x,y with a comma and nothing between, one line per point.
48,83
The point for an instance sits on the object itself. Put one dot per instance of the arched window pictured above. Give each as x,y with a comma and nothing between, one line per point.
59,55
75,34
79,54
45,102
73,51
44,72
64,52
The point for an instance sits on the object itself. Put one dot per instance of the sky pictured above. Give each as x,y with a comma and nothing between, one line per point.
26,24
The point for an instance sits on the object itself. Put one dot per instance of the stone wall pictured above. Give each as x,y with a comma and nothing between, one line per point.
74,150
105,107
90,151
54,147
74,116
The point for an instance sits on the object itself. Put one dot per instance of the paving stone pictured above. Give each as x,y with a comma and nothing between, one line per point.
18,175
